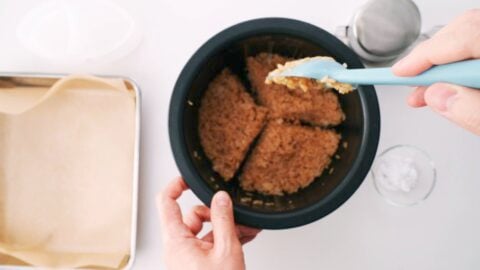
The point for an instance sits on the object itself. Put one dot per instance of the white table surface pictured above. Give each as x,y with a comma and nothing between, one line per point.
366,232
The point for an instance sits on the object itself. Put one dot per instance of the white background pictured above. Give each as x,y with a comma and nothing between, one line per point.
366,232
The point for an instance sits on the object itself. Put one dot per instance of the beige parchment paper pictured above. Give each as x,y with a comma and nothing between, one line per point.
66,170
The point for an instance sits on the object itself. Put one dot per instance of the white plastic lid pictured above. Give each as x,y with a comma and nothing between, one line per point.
74,32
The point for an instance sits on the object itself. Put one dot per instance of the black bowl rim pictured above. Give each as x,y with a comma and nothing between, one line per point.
361,165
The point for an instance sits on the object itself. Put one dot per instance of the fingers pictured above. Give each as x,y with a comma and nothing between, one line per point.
417,61
246,234
246,231
438,50
416,98
224,233
244,240
196,217
459,104
169,210
457,41
208,237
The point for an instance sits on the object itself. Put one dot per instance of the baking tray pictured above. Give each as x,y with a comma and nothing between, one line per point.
48,79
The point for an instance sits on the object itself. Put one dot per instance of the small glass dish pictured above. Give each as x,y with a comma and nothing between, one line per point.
404,175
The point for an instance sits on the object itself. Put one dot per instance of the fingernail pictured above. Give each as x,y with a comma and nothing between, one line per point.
222,199
442,98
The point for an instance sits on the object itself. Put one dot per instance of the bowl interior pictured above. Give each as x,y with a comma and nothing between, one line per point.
233,55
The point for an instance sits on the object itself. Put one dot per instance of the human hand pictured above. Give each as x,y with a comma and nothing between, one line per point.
184,250
459,40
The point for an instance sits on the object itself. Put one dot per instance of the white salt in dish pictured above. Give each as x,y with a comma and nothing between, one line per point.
404,175
397,173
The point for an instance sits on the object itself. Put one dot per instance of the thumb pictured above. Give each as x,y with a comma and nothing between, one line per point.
224,233
459,104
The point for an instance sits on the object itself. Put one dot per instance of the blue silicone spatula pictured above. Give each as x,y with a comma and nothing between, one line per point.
465,73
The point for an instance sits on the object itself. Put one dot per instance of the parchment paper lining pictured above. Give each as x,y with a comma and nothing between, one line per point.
66,170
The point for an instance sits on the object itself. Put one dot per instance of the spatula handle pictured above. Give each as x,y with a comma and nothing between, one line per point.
465,73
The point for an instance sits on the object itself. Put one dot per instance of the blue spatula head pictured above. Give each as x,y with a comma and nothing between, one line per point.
321,69
313,67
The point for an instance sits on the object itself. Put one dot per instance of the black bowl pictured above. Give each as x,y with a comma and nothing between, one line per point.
230,48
